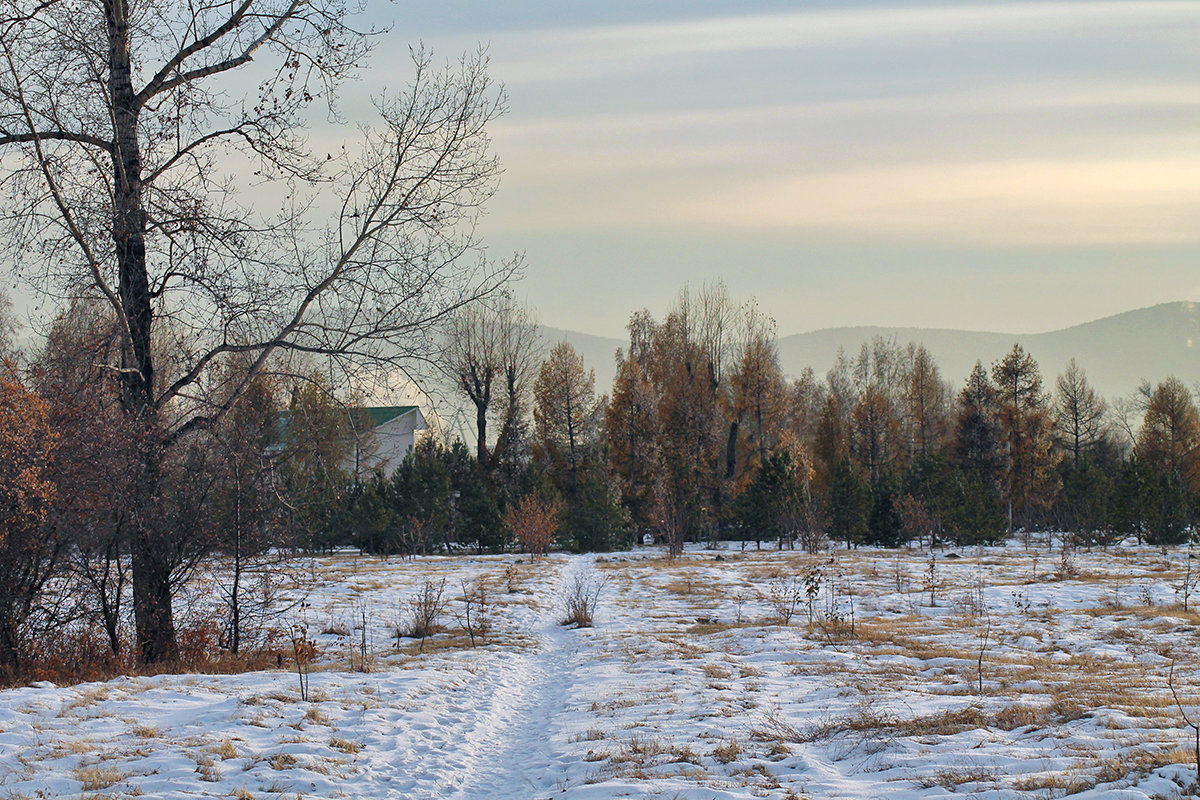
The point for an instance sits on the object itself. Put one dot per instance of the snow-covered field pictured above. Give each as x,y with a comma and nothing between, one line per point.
1025,677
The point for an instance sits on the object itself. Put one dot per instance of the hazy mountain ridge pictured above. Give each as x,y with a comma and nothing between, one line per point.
1117,352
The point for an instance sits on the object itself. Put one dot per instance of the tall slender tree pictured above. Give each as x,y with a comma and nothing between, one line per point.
566,413
1169,439
1026,425
1079,413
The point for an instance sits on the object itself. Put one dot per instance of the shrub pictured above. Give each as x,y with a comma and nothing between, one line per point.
579,601
426,609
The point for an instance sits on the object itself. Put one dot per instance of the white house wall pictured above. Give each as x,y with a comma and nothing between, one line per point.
386,447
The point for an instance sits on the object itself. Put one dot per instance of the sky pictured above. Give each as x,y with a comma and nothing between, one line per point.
1007,166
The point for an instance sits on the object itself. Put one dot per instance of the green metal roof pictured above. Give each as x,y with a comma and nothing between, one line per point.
381,414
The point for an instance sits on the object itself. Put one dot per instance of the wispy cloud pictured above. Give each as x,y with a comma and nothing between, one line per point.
557,54
1043,96
1081,202
1134,201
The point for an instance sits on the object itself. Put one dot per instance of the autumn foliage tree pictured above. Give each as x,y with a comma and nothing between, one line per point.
565,413
1027,429
27,555
1168,448
534,523
1169,440
630,424
76,373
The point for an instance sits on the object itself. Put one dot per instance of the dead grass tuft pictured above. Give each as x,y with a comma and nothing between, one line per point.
95,778
347,746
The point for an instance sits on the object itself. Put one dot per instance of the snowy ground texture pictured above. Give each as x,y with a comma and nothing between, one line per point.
1026,676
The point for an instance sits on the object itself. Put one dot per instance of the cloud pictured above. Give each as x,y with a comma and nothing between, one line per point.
563,54
1042,96
1086,202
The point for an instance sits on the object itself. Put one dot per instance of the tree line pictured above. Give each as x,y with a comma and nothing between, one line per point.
702,437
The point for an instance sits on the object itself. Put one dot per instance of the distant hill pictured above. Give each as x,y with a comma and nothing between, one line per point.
1117,352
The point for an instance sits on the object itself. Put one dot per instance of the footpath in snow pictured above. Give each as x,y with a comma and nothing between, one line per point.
1018,680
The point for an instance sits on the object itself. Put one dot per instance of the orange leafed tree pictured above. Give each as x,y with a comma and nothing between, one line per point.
533,523
28,443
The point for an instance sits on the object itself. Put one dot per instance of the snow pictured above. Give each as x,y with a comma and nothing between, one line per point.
687,687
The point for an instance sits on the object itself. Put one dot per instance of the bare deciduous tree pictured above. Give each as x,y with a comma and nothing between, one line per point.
126,136
491,352
1079,414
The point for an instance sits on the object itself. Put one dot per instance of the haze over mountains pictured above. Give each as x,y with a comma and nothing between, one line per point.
1117,352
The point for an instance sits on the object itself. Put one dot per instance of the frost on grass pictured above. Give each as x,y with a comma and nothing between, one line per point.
765,674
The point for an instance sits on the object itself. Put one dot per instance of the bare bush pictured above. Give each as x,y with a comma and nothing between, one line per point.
534,523
579,601
476,610
425,609
784,595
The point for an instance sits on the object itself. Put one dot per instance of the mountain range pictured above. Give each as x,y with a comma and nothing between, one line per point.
1118,353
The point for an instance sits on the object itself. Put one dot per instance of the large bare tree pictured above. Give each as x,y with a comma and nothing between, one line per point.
490,355
154,155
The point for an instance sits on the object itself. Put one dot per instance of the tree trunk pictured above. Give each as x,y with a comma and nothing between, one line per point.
10,647
481,454
731,450
154,622
153,617
110,604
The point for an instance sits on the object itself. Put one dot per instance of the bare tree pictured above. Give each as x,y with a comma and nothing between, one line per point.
75,372
758,386
491,353
126,138
8,326
1079,414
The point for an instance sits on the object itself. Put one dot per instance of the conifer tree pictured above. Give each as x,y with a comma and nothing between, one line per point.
566,415
849,503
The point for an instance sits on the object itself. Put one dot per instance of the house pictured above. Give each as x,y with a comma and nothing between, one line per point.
389,434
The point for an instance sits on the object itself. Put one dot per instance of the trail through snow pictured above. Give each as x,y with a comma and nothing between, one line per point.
689,687
509,749
493,734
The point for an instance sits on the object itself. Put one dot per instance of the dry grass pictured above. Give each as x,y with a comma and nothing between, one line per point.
728,751
224,750
348,746
590,735
951,779
97,777
282,761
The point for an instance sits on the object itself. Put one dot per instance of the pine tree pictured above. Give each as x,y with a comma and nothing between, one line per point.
768,505
885,528
1169,440
978,515
849,504
977,445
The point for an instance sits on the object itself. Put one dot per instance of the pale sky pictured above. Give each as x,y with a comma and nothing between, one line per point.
1011,166
1006,166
